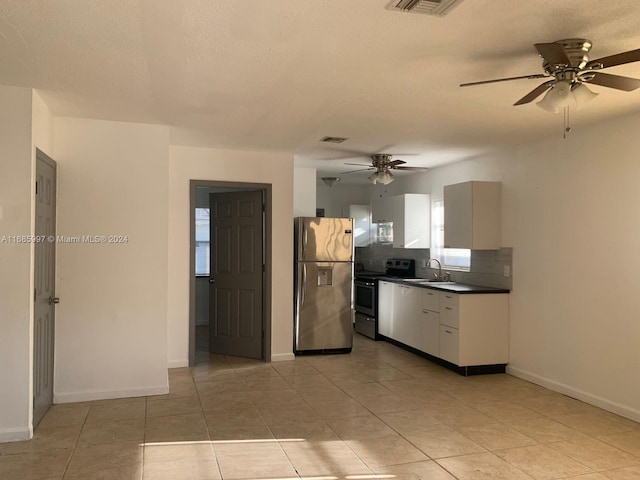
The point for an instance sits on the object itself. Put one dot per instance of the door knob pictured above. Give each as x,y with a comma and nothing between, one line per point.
53,300
212,280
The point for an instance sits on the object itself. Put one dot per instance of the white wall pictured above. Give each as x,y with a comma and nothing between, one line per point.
112,318
187,163
333,199
304,192
570,212
15,263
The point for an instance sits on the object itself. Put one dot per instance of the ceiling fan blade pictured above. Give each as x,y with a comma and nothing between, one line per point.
359,170
393,163
615,81
535,93
413,169
553,53
361,164
617,59
535,75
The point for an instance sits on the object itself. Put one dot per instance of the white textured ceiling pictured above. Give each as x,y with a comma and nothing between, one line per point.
281,74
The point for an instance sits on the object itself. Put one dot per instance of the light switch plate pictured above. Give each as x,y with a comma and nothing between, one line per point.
507,271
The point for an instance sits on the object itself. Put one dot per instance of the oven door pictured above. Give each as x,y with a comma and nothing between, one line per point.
365,297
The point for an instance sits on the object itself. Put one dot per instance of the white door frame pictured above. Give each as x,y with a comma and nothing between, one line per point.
38,364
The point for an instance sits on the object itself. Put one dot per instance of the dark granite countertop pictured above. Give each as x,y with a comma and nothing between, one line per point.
461,288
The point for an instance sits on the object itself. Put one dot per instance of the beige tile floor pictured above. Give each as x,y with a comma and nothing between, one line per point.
379,412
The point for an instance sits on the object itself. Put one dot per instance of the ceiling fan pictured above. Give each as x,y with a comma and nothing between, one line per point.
566,63
382,164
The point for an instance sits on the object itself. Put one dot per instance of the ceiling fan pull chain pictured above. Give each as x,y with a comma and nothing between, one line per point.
567,125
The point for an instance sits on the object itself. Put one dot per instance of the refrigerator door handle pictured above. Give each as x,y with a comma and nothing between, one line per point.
304,240
304,284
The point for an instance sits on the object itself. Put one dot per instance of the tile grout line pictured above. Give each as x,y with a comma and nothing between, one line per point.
75,445
144,434
206,425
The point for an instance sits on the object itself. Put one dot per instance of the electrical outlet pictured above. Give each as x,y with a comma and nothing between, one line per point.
423,262
507,271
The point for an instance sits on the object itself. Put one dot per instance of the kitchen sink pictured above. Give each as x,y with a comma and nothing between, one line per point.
433,282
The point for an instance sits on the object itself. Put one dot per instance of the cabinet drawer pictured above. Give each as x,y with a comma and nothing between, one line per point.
449,344
450,315
430,300
447,298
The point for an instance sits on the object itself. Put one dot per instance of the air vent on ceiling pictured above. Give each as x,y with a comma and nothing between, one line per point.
427,7
333,139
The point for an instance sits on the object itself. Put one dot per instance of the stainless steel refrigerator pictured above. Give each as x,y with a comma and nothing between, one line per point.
323,285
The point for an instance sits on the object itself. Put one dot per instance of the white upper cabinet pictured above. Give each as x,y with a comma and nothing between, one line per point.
361,215
472,215
411,220
382,210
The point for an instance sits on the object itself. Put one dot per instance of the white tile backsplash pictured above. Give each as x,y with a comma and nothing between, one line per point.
487,266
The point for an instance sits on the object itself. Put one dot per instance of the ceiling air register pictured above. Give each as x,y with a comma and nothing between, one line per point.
426,7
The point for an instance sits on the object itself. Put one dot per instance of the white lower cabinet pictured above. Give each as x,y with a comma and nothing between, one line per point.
466,330
449,345
431,333
431,322
386,308
410,321
474,329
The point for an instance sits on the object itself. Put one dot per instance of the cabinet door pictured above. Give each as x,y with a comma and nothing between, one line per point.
399,326
361,215
385,308
382,210
412,221
412,317
458,215
397,203
431,333
449,344
472,215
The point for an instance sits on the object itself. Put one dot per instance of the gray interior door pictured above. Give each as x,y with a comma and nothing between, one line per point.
235,289
44,295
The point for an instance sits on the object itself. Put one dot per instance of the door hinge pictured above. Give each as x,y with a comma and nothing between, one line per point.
263,268
34,294
264,207
36,188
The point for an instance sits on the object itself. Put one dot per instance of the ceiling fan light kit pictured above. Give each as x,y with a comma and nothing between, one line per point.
558,96
582,95
384,177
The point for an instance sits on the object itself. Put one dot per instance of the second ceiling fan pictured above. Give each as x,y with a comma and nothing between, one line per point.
382,164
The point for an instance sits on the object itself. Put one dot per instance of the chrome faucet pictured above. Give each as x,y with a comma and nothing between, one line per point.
438,276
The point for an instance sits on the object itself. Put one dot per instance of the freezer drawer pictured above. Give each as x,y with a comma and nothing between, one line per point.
324,299
365,325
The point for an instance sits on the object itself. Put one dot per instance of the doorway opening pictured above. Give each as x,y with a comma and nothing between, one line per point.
208,292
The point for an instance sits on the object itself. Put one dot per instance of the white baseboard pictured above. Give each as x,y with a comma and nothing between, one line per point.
595,400
15,434
178,363
72,397
281,357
